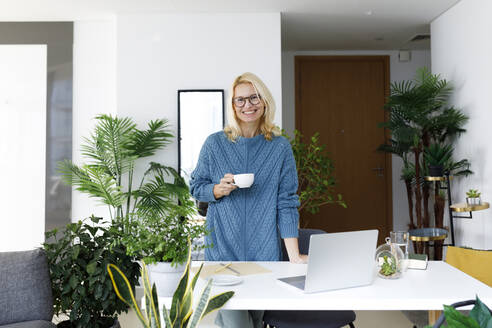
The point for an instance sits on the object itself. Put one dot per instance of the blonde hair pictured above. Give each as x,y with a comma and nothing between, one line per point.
267,128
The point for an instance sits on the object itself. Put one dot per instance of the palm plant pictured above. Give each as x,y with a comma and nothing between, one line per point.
159,201
419,116
458,168
437,157
113,151
400,145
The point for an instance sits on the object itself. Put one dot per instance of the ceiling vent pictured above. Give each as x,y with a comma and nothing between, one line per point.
420,37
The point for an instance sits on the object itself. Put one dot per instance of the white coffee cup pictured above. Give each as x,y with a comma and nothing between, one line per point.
244,180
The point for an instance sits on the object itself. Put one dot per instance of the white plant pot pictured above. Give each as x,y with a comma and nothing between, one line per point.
165,277
474,201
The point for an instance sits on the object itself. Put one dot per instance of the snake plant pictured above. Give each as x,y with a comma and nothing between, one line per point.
181,314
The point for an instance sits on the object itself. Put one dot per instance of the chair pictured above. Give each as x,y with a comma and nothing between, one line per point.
25,299
307,319
474,262
202,207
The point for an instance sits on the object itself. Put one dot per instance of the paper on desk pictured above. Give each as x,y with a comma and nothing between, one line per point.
245,268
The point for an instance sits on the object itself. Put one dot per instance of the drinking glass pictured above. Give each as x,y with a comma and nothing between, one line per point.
400,239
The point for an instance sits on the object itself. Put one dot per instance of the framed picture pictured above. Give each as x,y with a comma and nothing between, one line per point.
200,113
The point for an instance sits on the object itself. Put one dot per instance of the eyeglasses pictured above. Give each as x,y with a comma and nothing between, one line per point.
239,102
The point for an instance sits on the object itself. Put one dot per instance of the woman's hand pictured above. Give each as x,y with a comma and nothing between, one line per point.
300,259
225,187
292,246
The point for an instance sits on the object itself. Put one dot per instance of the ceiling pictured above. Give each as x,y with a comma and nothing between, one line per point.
306,24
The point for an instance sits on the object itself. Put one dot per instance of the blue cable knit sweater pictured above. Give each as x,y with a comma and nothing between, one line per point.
247,224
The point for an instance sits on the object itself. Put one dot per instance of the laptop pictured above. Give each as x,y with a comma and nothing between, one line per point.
338,260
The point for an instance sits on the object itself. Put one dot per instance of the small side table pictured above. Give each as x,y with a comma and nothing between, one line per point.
427,235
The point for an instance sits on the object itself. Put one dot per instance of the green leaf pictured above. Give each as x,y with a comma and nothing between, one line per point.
109,142
124,290
151,299
93,180
91,268
195,278
217,301
457,320
186,306
181,289
73,281
202,305
155,298
75,252
177,321
167,319
98,292
145,142
481,314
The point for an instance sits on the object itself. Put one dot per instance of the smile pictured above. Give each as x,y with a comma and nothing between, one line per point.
250,112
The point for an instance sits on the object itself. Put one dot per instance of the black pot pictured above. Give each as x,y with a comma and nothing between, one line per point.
68,324
436,171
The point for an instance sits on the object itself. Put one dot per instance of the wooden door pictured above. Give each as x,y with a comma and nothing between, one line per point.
342,98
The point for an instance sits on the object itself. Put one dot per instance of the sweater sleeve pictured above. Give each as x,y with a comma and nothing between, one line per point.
288,201
201,185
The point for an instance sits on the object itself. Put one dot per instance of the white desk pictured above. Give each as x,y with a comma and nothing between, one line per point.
415,290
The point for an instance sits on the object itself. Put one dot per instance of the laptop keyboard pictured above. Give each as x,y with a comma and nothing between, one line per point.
299,281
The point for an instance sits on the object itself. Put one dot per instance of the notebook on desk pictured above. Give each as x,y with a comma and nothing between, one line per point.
338,260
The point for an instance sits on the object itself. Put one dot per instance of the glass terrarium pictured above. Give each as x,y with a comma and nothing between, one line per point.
389,259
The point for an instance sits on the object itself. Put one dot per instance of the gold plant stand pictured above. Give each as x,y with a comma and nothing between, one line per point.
464,207
428,234
455,208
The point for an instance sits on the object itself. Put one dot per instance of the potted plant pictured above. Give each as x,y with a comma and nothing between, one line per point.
389,260
479,316
113,151
82,289
437,158
388,267
419,115
181,313
158,203
473,197
315,173
161,242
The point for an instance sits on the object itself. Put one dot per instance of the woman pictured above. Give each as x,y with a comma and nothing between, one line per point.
247,224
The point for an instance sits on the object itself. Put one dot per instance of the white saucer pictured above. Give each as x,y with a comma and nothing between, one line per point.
225,280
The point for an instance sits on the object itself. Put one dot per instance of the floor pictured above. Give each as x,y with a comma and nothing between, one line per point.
365,319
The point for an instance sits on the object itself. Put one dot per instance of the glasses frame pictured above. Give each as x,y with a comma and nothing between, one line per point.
247,99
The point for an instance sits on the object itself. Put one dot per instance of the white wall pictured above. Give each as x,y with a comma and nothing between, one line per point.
461,52
135,66
22,145
159,54
398,71
94,92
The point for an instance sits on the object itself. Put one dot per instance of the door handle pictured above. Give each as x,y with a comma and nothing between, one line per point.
380,170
